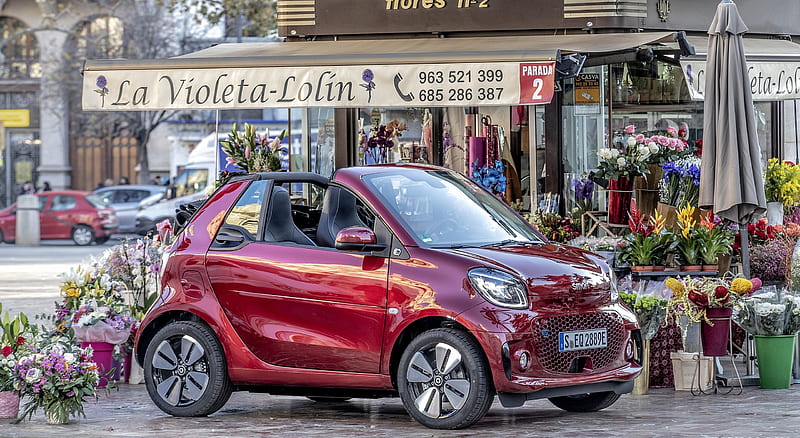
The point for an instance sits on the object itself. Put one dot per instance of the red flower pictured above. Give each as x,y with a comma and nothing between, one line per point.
720,292
698,298
7,351
20,340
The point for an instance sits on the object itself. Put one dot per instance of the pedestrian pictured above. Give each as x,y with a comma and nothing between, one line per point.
156,180
108,182
124,181
27,188
45,187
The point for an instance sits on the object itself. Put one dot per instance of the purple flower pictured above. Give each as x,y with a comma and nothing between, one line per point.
367,76
101,81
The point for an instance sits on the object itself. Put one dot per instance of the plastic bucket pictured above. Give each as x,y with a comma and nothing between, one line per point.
104,359
715,337
775,356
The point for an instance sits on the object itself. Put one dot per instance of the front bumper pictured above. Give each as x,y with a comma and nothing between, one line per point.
510,400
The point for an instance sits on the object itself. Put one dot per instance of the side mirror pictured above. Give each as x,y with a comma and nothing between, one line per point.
358,239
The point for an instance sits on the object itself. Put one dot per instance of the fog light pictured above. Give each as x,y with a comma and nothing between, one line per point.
629,350
524,360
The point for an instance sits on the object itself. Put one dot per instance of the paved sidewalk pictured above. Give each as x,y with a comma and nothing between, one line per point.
29,282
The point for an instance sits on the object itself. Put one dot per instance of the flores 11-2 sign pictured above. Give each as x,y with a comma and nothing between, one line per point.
503,83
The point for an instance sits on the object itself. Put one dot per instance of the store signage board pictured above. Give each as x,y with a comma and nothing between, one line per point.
18,118
465,84
769,81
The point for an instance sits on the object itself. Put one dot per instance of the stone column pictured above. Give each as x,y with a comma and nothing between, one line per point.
27,231
54,109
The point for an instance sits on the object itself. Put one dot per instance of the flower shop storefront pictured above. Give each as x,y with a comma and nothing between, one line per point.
425,100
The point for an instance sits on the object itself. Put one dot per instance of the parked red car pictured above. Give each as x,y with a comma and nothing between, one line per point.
385,280
80,216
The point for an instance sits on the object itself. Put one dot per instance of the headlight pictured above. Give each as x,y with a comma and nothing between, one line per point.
613,286
499,288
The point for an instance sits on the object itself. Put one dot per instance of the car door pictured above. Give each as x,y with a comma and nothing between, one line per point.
126,204
297,304
56,219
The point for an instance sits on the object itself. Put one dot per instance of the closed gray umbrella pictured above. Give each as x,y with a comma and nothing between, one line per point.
730,178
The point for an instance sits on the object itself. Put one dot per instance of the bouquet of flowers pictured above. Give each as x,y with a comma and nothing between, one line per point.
681,182
133,268
769,314
492,178
669,146
782,182
253,153
693,296
584,192
92,323
650,311
627,159
57,376
553,226
14,335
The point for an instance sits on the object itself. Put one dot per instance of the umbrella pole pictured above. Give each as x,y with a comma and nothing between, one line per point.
745,251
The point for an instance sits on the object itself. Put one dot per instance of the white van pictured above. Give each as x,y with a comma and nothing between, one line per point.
190,185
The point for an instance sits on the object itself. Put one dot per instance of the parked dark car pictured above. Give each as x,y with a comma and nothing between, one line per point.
404,280
81,216
127,200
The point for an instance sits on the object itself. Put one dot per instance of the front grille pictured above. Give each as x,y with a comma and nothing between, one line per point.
546,332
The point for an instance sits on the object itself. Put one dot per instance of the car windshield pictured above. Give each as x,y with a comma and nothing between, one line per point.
443,209
97,201
191,181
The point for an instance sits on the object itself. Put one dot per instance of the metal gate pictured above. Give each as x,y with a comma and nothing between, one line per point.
19,163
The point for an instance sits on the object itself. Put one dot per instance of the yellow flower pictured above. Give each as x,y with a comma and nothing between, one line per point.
741,285
676,286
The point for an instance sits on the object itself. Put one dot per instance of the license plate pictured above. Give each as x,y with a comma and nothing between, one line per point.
582,340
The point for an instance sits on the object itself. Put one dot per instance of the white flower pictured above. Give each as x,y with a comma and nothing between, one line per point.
653,147
33,375
604,153
614,153
69,357
621,162
631,142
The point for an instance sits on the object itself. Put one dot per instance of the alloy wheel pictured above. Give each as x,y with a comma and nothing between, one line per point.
438,380
180,370
82,235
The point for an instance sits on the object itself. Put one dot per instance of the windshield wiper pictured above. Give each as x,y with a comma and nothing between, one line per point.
510,242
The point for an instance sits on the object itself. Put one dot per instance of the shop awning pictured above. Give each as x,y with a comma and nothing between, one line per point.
396,72
773,65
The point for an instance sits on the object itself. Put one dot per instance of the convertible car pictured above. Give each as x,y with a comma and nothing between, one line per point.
386,280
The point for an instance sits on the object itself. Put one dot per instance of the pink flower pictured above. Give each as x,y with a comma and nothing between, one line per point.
276,142
247,152
663,141
630,129
640,138
230,160
672,131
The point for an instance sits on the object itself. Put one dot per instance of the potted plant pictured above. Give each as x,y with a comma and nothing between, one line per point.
648,241
57,376
14,333
687,243
553,226
680,186
774,320
715,241
781,187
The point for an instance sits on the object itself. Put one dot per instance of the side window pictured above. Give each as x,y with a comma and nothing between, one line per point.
42,202
247,211
62,202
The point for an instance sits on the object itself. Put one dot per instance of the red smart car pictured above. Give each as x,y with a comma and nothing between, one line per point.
384,280
67,214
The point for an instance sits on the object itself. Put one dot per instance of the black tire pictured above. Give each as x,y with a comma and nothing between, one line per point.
453,394
2,237
586,402
82,235
329,399
172,360
101,240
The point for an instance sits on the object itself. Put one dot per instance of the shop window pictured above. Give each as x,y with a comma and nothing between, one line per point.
652,82
322,140
20,52
389,135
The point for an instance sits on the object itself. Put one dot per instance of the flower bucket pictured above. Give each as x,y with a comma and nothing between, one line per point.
620,192
103,358
691,371
775,213
642,381
775,357
9,404
715,337
53,417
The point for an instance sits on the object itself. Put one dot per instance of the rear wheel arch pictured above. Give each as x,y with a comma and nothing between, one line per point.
148,332
421,326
